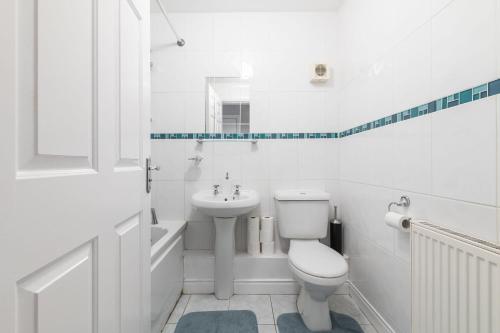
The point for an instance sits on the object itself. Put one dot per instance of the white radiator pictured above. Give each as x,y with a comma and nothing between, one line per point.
455,282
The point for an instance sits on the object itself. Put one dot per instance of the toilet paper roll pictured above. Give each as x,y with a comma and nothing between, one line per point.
267,248
253,229
267,229
398,221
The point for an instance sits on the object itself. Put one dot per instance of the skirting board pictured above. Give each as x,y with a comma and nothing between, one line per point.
193,286
267,287
245,287
375,318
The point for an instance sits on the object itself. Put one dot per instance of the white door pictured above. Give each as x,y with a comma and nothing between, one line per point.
74,128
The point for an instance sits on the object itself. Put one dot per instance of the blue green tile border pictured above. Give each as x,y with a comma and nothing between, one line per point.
242,136
466,96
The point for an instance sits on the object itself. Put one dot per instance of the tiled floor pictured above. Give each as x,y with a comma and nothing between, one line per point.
267,308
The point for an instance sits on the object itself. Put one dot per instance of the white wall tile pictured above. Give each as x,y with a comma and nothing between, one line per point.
318,184
259,111
227,64
464,156
257,63
197,30
227,159
332,110
382,278
283,159
311,113
439,5
283,112
498,225
170,156
312,159
463,46
350,106
198,66
194,112
255,160
412,70
498,154
167,112
471,219
410,15
410,159
332,161
376,164
497,20
241,31
364,208
379,99
164,76
402,246
168,199
352,154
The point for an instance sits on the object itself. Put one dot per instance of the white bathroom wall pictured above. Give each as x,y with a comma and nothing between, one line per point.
395,55
277,50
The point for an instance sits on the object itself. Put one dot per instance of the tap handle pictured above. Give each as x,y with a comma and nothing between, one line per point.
154,167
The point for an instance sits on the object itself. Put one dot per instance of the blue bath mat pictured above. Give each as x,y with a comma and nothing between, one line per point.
292,323
218,322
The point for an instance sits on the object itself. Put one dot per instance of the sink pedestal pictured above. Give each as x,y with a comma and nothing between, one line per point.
224,255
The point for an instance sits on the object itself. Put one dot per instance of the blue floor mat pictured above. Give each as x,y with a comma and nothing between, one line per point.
218,322
292,323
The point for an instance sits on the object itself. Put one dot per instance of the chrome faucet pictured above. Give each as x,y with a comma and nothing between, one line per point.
237,189
216,189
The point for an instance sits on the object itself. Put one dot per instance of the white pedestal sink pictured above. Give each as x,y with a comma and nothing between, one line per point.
224,208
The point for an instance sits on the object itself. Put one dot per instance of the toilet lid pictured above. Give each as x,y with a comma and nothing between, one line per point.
314,258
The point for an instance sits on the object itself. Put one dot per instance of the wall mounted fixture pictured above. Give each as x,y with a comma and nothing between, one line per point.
404,201
321,73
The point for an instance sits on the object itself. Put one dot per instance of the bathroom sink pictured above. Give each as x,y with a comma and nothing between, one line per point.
224,208
225,205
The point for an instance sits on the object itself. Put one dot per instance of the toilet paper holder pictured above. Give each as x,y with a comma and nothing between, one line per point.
404,201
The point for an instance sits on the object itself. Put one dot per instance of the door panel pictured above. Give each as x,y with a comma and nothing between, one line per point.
74,228
130,301
43,305
65,46
56,86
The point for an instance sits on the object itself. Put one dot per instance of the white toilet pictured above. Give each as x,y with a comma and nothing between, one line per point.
303,218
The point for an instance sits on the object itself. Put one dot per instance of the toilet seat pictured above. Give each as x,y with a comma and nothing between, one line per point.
316,263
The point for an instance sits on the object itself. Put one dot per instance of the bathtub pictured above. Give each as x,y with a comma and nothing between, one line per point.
167,270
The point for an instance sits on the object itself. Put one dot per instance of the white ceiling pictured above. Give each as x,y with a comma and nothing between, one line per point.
247,5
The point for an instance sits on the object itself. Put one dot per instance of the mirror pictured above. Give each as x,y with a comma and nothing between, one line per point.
227,105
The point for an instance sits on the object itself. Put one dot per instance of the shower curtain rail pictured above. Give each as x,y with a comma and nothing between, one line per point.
180,41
